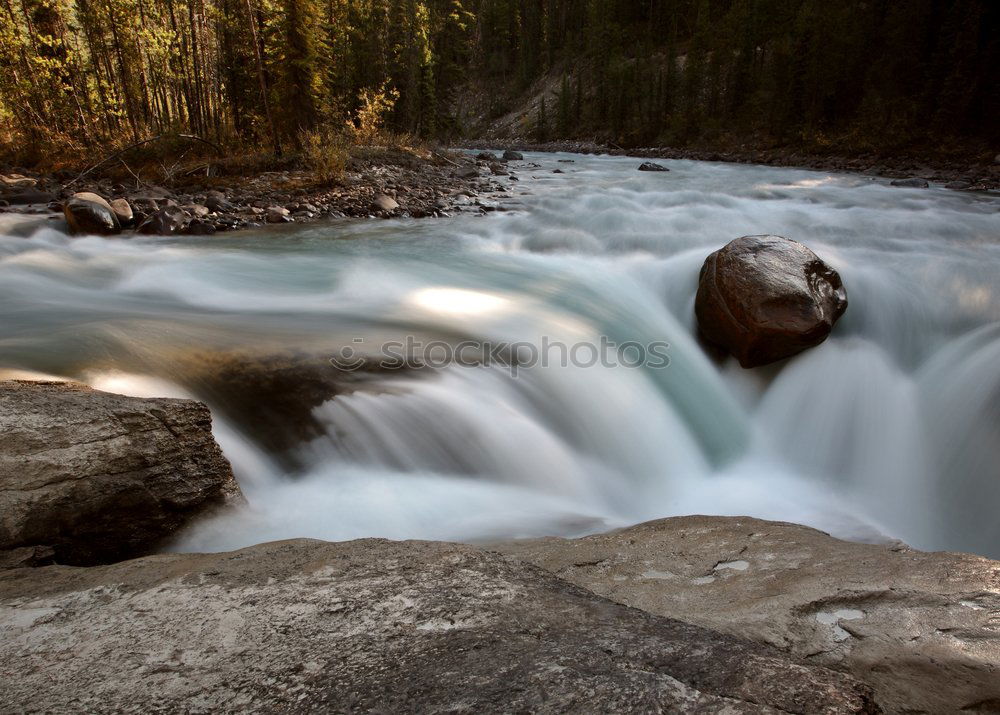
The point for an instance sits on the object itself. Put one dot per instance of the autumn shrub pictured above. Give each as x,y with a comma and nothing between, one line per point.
325,152
374,105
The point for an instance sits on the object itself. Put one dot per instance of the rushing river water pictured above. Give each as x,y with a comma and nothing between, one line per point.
891,427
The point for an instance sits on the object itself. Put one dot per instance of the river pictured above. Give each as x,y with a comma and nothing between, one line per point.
888,430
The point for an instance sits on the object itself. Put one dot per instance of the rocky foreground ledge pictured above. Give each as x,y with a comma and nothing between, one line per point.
693,614
922,629
372,626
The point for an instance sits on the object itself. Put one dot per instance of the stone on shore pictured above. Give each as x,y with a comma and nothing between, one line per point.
765,298
372,626
123,211
88,213
278,214
164,222
920,628
97,477
384,204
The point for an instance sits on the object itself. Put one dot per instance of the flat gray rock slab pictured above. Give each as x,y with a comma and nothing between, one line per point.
371,626
923,629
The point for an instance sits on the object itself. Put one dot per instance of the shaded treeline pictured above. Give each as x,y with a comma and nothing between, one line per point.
80,73
885,72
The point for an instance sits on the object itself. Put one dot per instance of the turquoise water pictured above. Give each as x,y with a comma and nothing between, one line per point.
889,429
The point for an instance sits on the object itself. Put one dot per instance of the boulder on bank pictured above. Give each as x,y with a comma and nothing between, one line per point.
278,214
920,628
372,626
88,213
98,477
765,298
384,204
123,211
652,166
164,222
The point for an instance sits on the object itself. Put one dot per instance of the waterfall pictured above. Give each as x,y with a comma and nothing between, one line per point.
887,430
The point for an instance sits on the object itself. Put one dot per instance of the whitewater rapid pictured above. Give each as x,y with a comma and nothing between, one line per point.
887,430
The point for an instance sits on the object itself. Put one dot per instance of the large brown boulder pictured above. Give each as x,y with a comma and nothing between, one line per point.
765,298
89,213
920,628
372,626
92,477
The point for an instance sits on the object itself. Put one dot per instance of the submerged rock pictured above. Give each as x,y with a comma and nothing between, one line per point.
920,628
651,166
372,626
26,195
765,298
88,213
97,477
911,183
273,397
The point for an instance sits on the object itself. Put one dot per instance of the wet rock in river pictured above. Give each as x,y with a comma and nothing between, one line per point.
911,183
765,298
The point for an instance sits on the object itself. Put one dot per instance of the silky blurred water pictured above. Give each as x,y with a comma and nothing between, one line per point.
889,429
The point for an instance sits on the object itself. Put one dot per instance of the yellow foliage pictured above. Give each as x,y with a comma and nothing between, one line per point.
375,104
325,152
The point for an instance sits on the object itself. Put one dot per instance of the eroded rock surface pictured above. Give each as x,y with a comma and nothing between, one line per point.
765,298
371,626
92,477
273,396
923,629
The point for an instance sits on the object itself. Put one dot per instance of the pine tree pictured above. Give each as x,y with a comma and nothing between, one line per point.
300,85
541,123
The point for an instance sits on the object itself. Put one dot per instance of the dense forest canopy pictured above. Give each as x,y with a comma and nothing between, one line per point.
78,74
